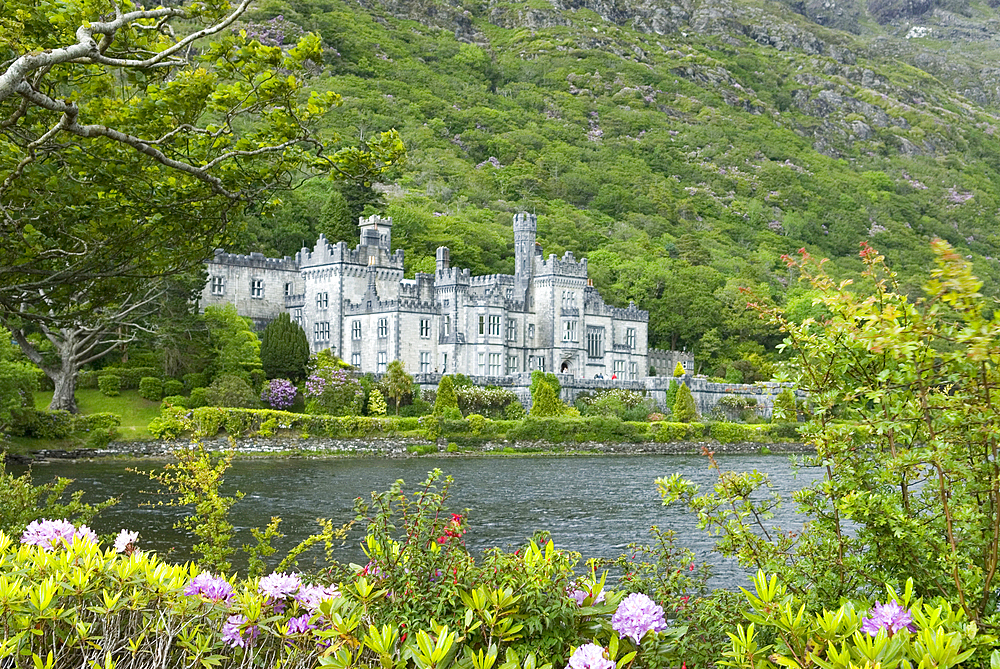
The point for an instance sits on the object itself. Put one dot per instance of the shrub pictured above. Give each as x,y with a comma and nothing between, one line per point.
665,431
488,401
333,392
397,384
671,394
284,349
173,387
376,403
626,404
727,433
514,411
174,401
446,401
151,388
198,398
229,390
684,410
735,407
279,394
551,379
110,385
86,379
195,380
679,370
130,376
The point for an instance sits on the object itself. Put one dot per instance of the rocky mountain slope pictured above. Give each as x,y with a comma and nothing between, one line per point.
683,146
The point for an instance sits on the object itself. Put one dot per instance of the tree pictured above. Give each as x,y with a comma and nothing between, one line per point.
684,410
127,150
127,146
679,370
17,383
284,349
376,403
397,383
236,347
538,376
446,402
79,342
904,420
544,403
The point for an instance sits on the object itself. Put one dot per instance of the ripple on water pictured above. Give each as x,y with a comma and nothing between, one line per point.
593,505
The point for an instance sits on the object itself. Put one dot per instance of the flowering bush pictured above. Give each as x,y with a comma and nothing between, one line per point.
279,394
334,392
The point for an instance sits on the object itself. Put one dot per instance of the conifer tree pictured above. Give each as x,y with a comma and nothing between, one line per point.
376,403
671,395
679,370
684,408
284,349
446,403
545,403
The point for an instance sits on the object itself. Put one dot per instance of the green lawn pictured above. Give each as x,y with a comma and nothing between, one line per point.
136,412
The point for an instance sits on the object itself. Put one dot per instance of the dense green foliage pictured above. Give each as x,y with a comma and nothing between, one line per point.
284,349
446,401
682,162
684,410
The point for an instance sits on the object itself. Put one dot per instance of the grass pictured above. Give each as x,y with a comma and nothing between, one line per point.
136,411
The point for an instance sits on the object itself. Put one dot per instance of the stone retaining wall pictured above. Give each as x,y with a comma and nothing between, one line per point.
397,448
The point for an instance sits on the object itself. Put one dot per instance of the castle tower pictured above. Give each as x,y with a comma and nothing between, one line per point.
376,231
525,227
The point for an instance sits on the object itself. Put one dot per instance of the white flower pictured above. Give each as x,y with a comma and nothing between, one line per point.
124,539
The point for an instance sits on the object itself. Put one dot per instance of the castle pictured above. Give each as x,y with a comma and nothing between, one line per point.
547,316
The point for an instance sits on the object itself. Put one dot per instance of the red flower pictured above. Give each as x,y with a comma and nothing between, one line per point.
442,540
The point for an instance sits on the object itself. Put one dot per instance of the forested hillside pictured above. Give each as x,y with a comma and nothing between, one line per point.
682,148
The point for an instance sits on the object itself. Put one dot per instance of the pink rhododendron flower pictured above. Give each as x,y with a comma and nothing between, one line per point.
235,633
889,616
636,615
212,588
590,656
51,534
124,540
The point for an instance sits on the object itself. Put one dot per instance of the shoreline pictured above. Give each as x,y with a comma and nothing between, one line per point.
399,447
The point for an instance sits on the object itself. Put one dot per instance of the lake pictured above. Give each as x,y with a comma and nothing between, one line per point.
595,505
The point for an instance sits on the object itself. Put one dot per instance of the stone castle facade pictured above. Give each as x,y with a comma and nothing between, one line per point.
546,316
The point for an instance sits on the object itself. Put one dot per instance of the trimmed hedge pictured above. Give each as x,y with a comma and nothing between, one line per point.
173,387
591,428
728,433
206,422
129,376
151,388
110,385
43,424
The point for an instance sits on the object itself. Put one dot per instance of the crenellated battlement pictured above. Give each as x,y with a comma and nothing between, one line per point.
453,275
324,253
491,280
566,266
256,260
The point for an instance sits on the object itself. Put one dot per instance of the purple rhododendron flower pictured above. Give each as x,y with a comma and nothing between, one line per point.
279,394
636,615
212,588
235,634
301,624
51,534
889,616
581,595
589,656
310,596
279,585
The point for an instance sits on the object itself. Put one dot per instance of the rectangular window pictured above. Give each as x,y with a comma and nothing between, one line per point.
446,326
531,331
218,285
510,293
326,330
356,360
630,337
618,369
540,363
383,328
425,362
494,364
355,329
383,361
569,331
595,342
444,363
633,371
321,331
298,317
482,325
511,330
257,288
482,363
425,328
288,289
322,300
495,322
512,364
